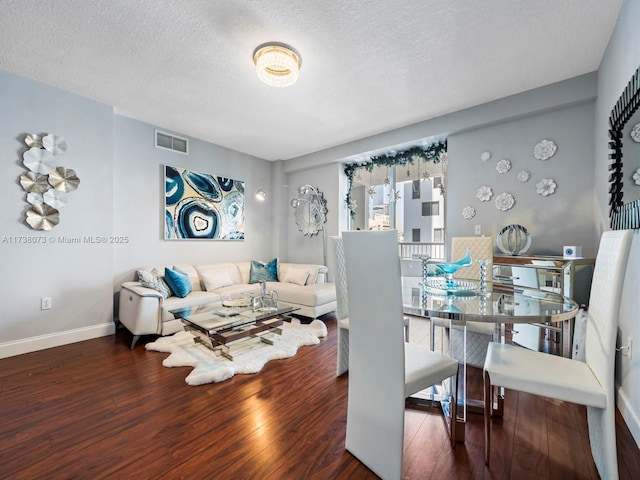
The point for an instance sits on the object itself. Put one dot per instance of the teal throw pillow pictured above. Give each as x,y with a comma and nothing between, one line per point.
263,271
178,282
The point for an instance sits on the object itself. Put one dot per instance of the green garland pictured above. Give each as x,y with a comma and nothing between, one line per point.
431,153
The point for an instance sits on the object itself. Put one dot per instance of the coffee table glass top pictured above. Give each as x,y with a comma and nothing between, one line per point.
216,316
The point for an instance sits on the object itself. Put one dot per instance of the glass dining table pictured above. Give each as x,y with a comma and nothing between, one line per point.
500,306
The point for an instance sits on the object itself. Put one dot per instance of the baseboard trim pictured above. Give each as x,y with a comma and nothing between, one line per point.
33,344
631,417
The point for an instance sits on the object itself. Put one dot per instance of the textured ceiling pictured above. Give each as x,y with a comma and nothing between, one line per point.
368,65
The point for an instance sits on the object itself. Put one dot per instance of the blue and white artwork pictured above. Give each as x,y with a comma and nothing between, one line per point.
202,205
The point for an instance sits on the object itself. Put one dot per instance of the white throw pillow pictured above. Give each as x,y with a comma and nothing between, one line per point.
295,275
216,279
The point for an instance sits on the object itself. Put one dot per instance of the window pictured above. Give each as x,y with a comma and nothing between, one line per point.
415,235
430,209
438,235
415,189
437,181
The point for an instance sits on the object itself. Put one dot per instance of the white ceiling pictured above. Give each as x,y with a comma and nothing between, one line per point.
368,66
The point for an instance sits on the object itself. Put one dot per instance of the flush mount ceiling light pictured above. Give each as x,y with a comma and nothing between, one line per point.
277,64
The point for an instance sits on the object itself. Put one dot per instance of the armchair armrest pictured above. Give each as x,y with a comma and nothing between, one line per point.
138,289
140,309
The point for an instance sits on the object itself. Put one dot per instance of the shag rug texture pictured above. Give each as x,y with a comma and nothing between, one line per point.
208,368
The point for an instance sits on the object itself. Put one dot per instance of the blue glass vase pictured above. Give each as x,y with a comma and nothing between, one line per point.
450,268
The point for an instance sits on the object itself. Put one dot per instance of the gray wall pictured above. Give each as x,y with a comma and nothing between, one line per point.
563,218
620,60
120,195
139,199
77,277
303,248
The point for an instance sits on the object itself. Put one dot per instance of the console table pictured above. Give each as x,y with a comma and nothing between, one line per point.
570,277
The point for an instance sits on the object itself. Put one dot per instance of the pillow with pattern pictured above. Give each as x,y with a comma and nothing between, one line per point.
263,271
154,280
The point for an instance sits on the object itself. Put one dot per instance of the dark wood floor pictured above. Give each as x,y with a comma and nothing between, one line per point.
95,409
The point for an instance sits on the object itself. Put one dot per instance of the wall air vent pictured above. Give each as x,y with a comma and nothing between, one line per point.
171,142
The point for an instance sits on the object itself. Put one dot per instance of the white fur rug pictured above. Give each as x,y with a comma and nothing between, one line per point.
210,368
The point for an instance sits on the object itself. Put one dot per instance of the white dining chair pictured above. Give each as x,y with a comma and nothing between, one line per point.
335,253
478,334
383,369
589,383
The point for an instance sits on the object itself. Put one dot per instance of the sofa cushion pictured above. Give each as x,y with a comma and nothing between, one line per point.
215,278
218,272
314,271
263,271
311,295
178,281
239,290
154,280
296,275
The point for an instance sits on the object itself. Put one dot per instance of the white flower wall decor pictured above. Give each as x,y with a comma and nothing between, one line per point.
484,193
485,156
505,201
635,133
468,212
503,166
544,149
523,176
636,176
545,187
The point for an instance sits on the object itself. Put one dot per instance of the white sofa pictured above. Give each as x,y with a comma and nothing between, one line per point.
143,311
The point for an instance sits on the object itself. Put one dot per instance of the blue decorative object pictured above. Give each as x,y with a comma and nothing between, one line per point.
449,268
263,271
178,282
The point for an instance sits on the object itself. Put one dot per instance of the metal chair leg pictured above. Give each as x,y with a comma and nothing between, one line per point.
488,400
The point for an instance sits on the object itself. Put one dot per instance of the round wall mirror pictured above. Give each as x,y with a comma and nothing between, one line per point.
310,210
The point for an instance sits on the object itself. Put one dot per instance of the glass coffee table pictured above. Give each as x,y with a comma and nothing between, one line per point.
217,325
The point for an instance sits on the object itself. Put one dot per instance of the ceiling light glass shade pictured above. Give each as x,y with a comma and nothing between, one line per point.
261,195
277,64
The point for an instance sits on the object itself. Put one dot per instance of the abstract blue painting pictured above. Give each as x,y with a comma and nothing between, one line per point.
202,206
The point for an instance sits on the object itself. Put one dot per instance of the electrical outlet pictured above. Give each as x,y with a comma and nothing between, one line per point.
45,303
478,229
